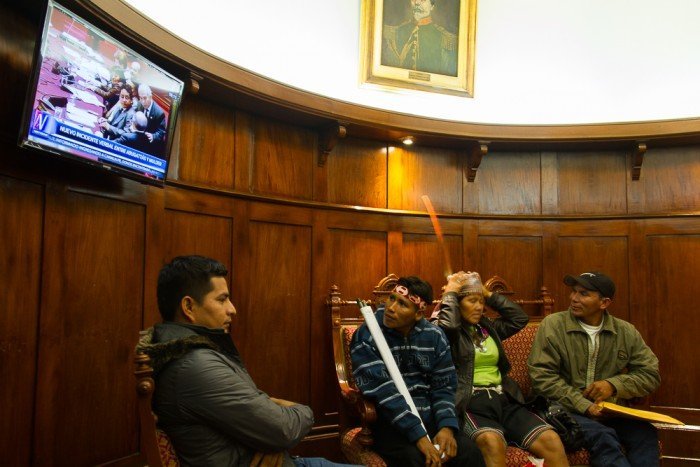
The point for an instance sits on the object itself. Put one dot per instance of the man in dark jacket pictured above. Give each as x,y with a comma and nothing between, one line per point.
204,398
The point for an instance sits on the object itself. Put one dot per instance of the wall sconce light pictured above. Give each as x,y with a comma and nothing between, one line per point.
407,140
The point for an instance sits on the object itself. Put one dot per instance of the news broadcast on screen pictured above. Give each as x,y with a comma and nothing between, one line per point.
95,100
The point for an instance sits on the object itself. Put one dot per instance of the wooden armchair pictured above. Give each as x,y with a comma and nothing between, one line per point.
156,450
155,444
356,414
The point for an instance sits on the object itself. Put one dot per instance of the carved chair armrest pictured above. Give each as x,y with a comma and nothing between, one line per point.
350,394
368,415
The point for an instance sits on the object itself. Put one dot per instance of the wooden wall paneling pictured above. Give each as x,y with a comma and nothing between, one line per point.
668,182
155,254
199,232
357,173
549,166
673,279
510,183
173,172
607,254
244,146
516,259
196,233
681,447
592,183
639,278
16,50
293,215
470,242
206,149
319,183
361,220
284,157
239,285
470,190
425,171
510,228
322,378
92,295
357,261
551,276
394,257
276,345
21,215
421,256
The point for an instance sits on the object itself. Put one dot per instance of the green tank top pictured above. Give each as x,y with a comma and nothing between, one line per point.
486,364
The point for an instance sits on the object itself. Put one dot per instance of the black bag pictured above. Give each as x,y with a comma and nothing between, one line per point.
563,423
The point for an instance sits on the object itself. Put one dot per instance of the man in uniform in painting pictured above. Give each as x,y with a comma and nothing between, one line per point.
419,44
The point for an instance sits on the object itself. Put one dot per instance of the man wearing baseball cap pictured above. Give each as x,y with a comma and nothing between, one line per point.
583,356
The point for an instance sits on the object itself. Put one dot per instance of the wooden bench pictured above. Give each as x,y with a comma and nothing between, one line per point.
356,414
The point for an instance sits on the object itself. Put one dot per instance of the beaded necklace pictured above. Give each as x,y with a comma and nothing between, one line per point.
479,335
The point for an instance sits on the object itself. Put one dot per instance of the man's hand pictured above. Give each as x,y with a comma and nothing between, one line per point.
149,136
273,459
282,402
599,391
432,456
448,445
594,411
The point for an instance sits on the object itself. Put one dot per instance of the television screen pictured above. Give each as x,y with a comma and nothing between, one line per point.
95,100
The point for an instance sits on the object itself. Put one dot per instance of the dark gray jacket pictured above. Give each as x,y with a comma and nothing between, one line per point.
448,317
208,404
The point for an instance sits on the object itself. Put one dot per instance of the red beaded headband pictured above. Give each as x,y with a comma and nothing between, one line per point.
402,290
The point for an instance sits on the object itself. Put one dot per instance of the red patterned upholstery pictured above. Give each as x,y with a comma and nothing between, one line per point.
356,453
348,332
165,449
517,349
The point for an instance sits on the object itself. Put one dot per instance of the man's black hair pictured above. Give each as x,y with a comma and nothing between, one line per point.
186,276
418,286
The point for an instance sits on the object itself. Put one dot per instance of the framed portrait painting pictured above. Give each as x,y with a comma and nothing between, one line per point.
419,44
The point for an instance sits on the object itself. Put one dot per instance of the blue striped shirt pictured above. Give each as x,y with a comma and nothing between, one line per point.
425,362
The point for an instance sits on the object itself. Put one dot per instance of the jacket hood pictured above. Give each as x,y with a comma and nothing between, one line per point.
167,342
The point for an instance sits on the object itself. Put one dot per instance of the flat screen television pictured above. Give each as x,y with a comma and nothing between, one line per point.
94,100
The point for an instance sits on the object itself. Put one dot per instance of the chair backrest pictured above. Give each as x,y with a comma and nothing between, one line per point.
517,348
155,444
343,328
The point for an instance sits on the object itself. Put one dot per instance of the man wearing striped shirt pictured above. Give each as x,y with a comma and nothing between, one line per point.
422,354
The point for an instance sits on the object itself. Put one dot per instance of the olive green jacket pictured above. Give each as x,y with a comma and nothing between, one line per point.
559,357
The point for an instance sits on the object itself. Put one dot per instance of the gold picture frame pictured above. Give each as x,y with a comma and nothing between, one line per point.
391,53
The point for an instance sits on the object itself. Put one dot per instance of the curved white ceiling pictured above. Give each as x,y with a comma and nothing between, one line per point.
537,62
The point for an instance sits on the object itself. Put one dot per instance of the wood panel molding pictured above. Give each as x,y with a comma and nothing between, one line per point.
224,81
637,159
327,140
474,156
